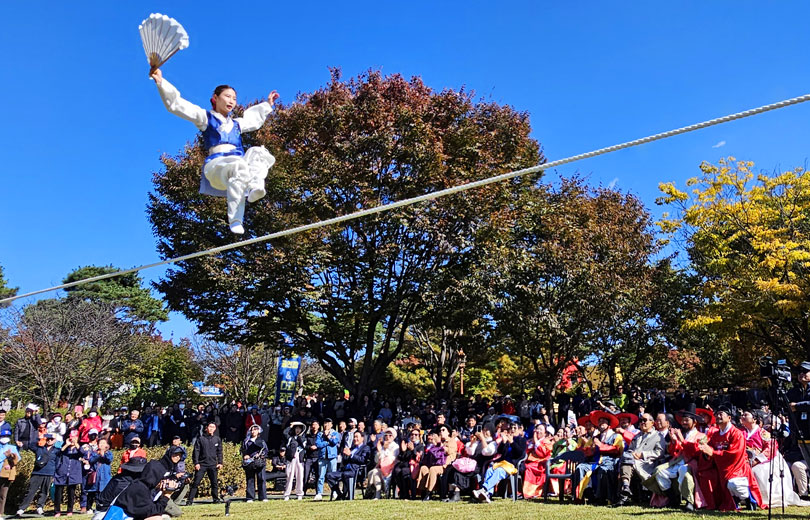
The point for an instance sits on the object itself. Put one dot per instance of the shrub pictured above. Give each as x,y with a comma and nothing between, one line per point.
231,473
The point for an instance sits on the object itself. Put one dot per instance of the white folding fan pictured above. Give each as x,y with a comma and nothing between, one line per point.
162,37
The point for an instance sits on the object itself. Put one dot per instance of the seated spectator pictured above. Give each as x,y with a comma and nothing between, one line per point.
761,449
511,448
685,465
406,469
278,466
538,451
385,457
597,482
640,458
354,458
432,465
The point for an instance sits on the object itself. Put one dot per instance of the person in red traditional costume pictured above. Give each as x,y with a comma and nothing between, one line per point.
726,447
538,451
687,466
627,426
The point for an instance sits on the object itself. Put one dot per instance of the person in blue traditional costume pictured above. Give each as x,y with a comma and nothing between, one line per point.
229,171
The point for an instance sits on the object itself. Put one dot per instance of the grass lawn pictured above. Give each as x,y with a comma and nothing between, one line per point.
417,510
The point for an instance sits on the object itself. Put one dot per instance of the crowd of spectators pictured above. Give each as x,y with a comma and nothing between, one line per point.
709,450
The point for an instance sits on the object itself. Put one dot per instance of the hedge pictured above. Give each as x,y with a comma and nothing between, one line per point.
231,473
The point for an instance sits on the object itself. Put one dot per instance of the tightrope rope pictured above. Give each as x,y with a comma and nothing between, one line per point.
429,196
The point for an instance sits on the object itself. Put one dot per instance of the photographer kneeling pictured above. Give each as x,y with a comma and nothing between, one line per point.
146,498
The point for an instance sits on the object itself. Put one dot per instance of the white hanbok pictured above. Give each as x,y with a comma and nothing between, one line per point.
236,177
782,486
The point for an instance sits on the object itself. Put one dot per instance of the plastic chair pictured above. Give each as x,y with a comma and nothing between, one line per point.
571,459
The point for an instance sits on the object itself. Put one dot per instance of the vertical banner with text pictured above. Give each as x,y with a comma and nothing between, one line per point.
285,382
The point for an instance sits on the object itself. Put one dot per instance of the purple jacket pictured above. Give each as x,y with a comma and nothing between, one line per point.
434,456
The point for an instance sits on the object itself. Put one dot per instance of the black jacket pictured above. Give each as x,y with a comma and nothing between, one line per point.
207,450
138,500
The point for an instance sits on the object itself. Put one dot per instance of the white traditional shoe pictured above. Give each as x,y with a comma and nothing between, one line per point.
256,194
236,227
286,498
318,497
300,497
40,511
20,512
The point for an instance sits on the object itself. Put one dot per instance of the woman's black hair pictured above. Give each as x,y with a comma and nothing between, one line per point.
220,89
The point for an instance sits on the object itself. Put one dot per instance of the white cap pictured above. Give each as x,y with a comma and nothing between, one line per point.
32,406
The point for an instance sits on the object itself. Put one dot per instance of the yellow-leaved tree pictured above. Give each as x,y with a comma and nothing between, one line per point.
747,234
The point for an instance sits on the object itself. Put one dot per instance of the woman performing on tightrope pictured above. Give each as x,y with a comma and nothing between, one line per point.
229,171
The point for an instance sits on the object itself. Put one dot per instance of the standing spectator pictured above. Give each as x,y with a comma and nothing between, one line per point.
100,474
132,427
25,431
68,474
254,460
296,445
57,428
179,419
207,458
327,442
3,421
91,422
253,417
151,426
312,453
88,450
9,457
42,474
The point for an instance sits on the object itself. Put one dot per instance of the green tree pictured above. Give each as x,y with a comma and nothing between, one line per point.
5,290
161,372
132,301
342,295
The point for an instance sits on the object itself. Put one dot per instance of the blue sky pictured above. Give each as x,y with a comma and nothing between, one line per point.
86,127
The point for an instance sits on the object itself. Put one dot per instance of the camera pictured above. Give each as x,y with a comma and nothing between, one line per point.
778,373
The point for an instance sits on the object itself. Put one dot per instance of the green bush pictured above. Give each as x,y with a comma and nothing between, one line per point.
231,473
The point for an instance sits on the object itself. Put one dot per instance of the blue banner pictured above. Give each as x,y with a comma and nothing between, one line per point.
207,391
287,377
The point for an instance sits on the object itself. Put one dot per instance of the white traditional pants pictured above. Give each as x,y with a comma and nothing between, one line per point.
240,178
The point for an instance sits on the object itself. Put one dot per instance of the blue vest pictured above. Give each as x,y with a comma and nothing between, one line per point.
213,136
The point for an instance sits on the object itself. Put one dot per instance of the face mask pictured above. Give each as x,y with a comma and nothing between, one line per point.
4,440
92,414
182,406
57,420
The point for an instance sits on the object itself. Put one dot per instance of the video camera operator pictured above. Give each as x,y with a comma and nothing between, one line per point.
797,452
